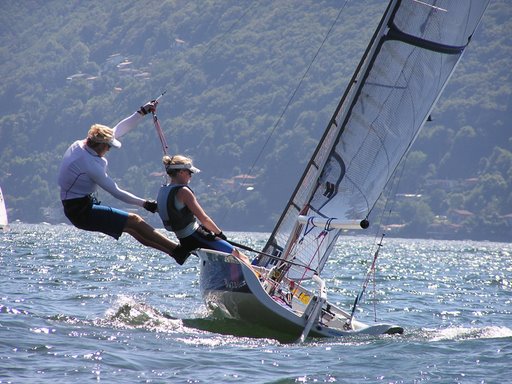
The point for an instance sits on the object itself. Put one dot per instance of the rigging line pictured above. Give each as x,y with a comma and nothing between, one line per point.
214,42
209,46
390,193
359,297
383,213
294,92
379,245
317,252
298,86
247,248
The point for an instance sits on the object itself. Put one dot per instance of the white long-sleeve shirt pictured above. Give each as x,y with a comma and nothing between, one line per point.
82,170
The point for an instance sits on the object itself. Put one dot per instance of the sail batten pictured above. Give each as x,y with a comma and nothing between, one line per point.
411,56
395,34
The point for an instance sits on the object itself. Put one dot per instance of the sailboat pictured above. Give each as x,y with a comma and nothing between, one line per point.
3,212
409,60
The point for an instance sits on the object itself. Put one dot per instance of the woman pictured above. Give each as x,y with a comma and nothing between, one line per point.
180,211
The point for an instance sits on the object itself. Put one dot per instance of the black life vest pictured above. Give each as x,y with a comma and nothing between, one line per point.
173,219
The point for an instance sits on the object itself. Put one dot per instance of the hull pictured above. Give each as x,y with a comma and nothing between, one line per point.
242,292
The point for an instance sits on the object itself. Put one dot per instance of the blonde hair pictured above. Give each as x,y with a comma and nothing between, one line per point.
99,134
174,160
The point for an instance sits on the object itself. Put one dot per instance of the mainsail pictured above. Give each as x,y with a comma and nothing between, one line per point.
413,53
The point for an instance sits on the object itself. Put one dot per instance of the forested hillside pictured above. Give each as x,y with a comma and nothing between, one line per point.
232,72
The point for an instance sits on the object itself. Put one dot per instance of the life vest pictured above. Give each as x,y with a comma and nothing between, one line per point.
173,219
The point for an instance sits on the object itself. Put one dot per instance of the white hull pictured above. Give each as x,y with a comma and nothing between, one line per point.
234,289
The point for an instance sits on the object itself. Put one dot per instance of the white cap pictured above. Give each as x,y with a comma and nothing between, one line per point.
103,134
188,166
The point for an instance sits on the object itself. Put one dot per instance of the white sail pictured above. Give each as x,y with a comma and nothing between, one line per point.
3,211
411,56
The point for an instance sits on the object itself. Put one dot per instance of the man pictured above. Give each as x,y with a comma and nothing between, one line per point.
84,168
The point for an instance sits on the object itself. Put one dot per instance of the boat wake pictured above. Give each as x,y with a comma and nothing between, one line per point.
473,333
129,313
12,310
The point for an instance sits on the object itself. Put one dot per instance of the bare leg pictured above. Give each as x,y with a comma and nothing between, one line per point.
147,235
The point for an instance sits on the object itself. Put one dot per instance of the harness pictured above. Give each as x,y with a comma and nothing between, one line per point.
174,219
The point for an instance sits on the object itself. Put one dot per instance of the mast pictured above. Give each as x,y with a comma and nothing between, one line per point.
333,129
409,60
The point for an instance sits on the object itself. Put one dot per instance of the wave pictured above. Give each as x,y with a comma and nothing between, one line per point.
12,310
129,313
471,333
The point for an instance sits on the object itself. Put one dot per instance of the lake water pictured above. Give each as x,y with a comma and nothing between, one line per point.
80,307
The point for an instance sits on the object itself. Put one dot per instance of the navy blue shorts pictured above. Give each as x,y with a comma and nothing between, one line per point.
96,217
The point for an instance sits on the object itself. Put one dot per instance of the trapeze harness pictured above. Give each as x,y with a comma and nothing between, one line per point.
178,218
175,215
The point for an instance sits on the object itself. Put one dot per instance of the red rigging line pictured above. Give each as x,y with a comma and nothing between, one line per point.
159,131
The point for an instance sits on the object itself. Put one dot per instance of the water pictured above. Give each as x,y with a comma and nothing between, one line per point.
81,307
